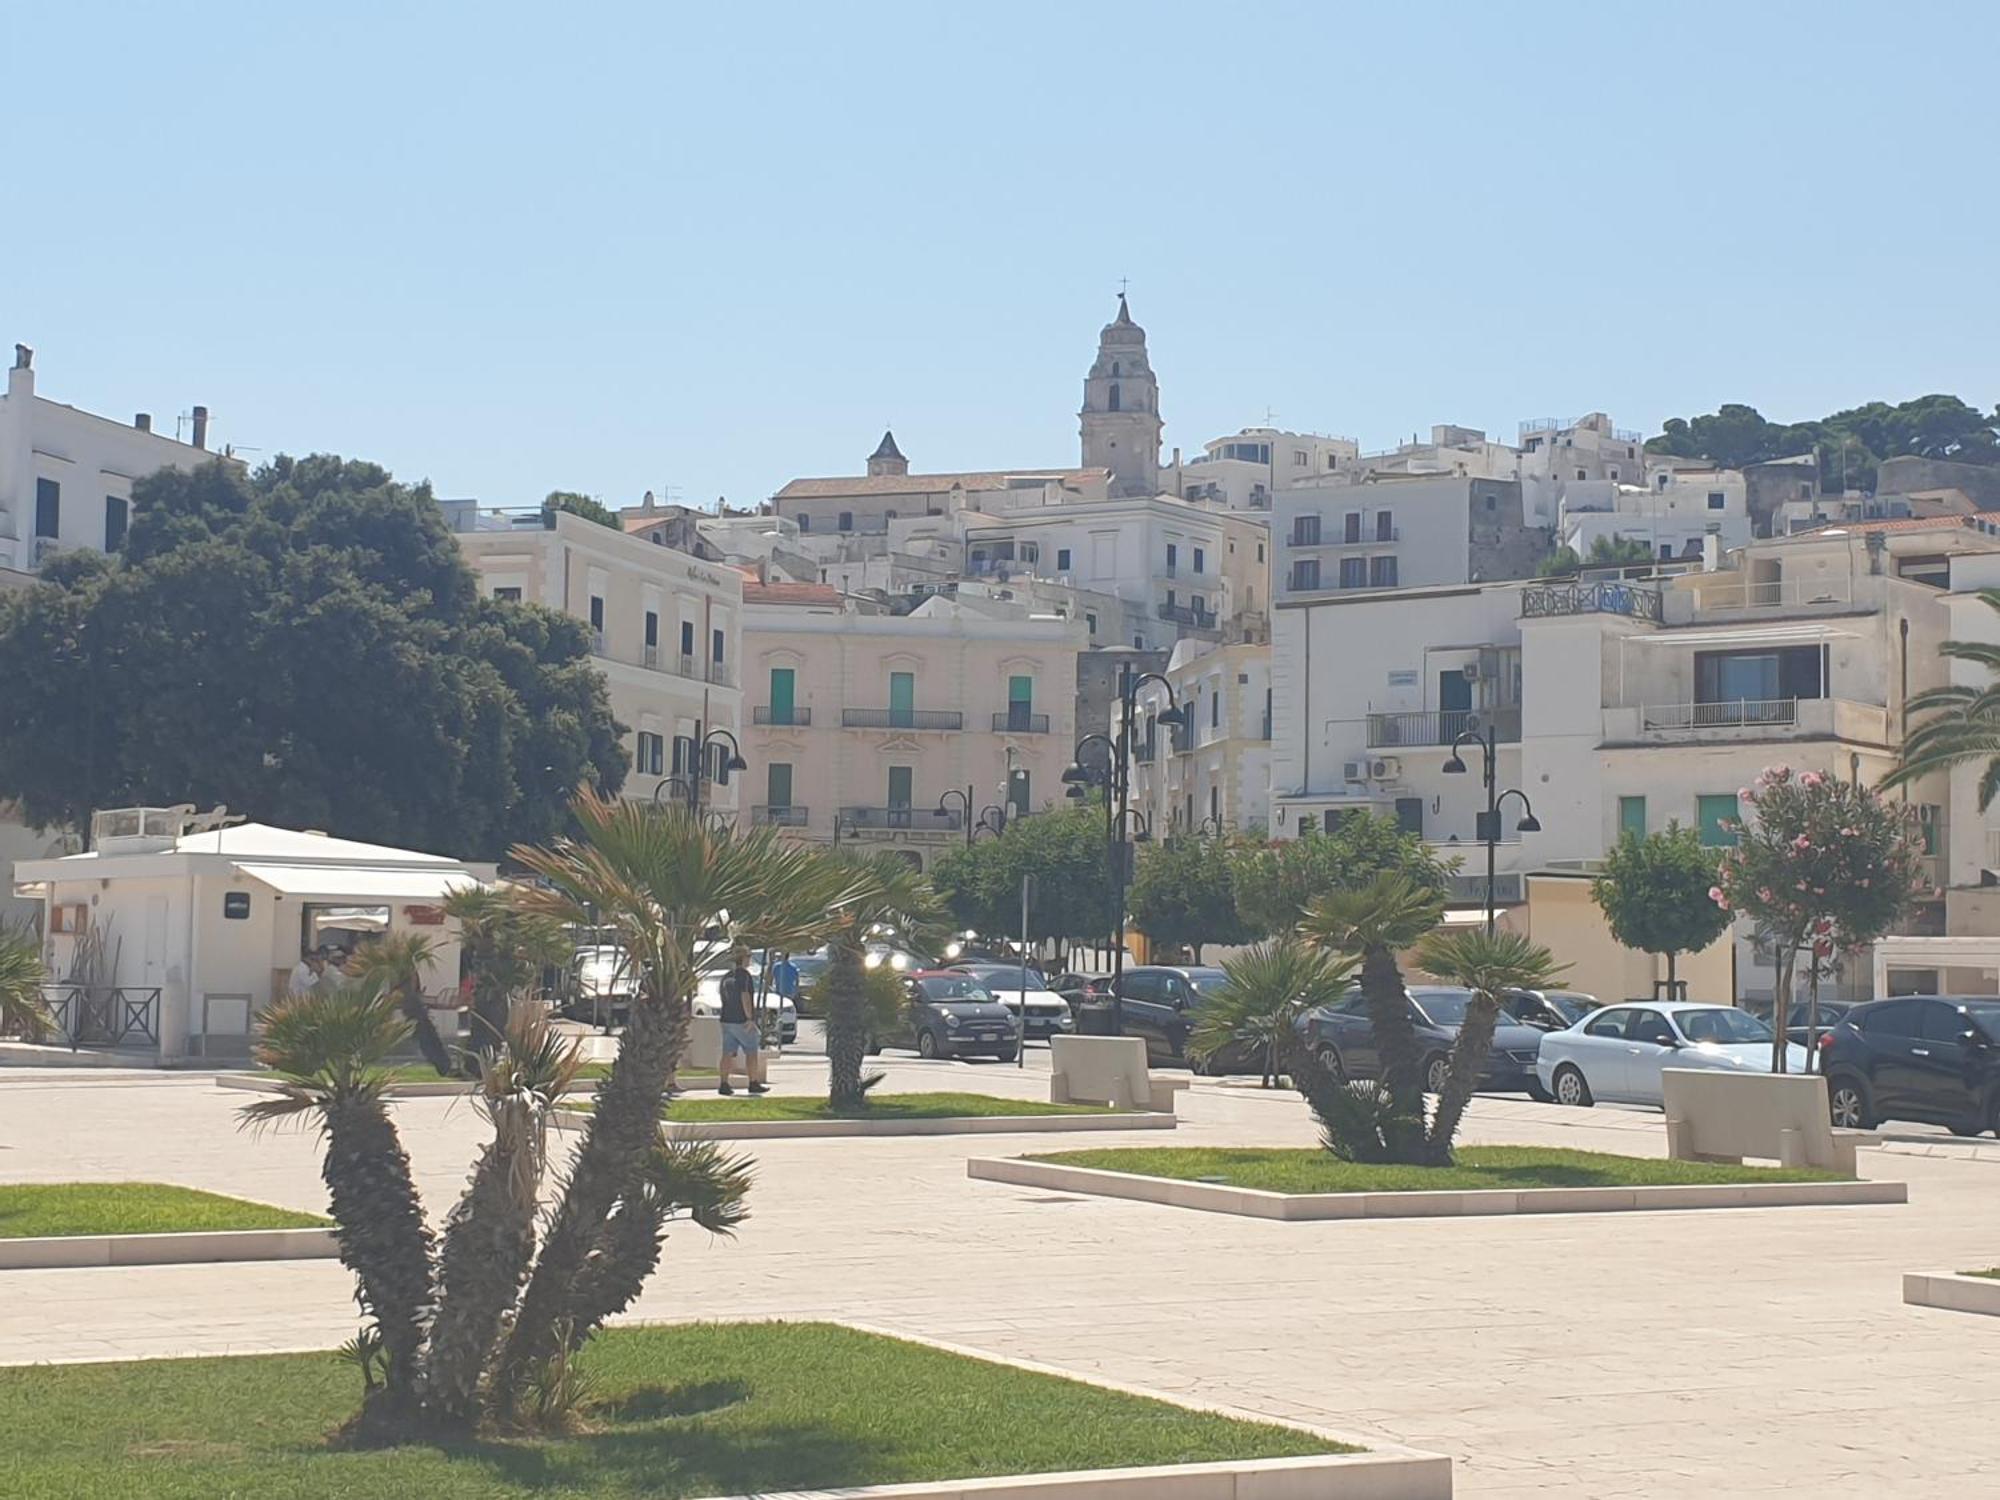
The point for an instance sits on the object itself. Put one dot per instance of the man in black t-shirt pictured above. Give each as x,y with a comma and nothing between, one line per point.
739,1024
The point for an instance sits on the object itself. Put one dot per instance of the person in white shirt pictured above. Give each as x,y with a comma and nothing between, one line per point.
305,973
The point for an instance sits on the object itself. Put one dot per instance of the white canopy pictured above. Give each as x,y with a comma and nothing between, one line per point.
358,883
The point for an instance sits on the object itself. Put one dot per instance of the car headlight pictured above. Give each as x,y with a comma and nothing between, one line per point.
951,1020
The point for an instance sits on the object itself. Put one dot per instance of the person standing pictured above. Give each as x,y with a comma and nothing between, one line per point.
785,977
305,973
740,1037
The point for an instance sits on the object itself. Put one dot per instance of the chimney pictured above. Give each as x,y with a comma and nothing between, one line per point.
201,427
143,421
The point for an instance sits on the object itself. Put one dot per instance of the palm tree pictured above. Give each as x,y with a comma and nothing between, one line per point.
664,879
21,978
329,1049
1389,913
1489,967
1267,990
489,1239
887,894
1964,727
505,951
394,964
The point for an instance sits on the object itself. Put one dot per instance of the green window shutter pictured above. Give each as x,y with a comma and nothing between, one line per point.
1710,814
782,681
778,784
899,786
1632,816
902,698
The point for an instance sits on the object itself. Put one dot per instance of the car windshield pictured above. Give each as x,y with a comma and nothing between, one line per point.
1006,977
1986,1016
1721,1025
1206,981
964,988
1444,1008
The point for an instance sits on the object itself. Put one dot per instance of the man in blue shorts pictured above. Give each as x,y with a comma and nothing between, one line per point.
739,1024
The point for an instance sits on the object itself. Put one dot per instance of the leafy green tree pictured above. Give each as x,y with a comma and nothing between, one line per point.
1605,552
1185,892
1820,862
579,505
1489,967
1655,894
1064,850
1962,726
307,646
1849,444
1276,882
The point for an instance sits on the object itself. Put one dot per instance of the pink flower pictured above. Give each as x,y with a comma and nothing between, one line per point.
1811,778
1746,794
1764,894
1802,842
1802,885
1850,833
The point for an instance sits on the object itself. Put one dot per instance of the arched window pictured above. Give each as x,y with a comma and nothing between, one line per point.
1115,369
1114,395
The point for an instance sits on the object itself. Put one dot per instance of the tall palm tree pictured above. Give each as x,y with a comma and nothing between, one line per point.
329,1049
1964,723
1375,920
489,1239
1489,967
665,880
21,978
887,894
394,964
506,950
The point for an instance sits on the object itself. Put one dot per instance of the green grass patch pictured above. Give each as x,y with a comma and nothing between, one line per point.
592,1072
1991,1275
28,1210
880,1107
703,1409
1286,1171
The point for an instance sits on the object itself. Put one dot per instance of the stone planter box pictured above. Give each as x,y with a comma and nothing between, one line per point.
184,1248
794,1130
440,1088
1954,1293
1298,1207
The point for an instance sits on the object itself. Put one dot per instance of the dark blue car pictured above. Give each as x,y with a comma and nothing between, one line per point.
1344,1039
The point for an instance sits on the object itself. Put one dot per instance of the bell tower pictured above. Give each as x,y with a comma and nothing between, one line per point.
1121,409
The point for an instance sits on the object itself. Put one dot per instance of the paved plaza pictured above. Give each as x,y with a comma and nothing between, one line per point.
1723,1353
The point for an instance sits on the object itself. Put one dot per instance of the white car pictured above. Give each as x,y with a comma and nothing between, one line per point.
777,1008
1617,1054
1048,1012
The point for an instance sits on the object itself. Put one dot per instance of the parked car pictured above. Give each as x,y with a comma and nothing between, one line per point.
1162,1005
948,1014
602,984
1618,1053
810,966
781,1016
1048,1012
1830,1012
1343,1037
1548,1010
1077,988
1928,1057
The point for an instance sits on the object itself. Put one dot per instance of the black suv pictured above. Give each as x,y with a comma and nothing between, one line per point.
1924,1057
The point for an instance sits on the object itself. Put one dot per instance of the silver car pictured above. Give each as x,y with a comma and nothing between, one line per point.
1617,1054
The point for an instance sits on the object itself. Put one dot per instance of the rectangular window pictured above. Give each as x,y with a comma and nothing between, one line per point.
48,508
847,520
116,514
715,645
1305,531
1091,621
1930,818
683,754
652,754
902,698
652,627
778,784
1632,816
1299,458
1215,709
1062,559
1354,572
1173,558
1260,545
805,523
1017,794
1382,572
783,680
1410,815
1711,812
1716,499
1199,559
1020,703
510,593
597,614
687,638
1351,527
1385,526
1758,677
900,786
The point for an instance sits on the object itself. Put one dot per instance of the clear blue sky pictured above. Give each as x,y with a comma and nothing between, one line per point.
616,247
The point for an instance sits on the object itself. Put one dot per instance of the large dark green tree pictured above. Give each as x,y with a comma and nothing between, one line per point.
306,645
981,883
1185,892
1849,443
1274,883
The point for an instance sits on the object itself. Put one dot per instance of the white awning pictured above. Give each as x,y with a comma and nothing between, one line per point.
1475,918
358,883
1801,633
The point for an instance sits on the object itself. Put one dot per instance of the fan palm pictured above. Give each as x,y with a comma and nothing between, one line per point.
1268,988
21,978
329,1049
1489,966
663,879
1964,727
489,1239
505,951
884,893
394,964
1375,920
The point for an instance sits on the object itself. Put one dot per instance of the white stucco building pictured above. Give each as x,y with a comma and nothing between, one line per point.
1246,469
666,631
1401,531
1214,775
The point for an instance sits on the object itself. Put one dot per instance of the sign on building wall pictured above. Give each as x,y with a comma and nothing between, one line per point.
1403,679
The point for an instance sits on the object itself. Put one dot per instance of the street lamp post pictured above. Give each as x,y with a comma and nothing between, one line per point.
1489,821
992,817
687,785
1116,779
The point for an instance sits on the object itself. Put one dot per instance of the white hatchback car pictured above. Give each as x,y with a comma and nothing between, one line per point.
1618,1053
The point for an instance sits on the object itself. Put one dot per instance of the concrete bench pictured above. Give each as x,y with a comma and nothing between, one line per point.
1781,1117
704,1043
1108,1070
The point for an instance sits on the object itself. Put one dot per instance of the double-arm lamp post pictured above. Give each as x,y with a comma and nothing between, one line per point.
1120,817
687,784
992,817
1489,821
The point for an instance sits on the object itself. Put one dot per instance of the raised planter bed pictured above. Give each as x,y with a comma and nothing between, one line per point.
1955,1292
1215,1197
777,1117
170,1249
427,1088
44,1225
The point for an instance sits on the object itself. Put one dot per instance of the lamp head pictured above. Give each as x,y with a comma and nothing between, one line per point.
1076,793
1454,766
1075,775
1529,824
734,764
1178,717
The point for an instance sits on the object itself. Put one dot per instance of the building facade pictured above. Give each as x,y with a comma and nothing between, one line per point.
1120,421
1214,775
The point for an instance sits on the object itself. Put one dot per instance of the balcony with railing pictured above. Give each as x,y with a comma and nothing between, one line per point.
1718,596
901,718
791,815
1748,719
1464,889
921,819
1602,597
777,716
1013,722
1191,619
1442,726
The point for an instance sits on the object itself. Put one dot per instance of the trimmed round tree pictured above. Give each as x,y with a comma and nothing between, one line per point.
1655,894
1818,862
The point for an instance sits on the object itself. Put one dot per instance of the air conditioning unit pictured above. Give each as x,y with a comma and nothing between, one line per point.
1354,770
1472,671
1384,768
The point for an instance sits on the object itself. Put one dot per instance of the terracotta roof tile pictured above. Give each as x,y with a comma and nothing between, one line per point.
789,593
